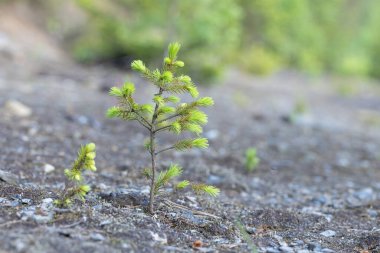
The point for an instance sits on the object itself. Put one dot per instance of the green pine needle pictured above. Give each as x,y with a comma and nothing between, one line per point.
208,189
179,64
198,117
191,143
165,176
191,127
116,92
139,66
159,100
167,76
146,108
200,143
172,99
192,90
114,112
182,185
166,110
205,102
185,79
128,89
176,127
173,50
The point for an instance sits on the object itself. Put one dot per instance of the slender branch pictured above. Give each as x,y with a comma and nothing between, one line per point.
173,204
165,149
138,114
162,128
170,117
142,123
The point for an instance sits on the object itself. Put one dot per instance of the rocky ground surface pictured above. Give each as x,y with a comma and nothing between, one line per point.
316,188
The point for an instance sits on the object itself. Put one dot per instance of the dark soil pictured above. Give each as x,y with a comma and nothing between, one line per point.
315,190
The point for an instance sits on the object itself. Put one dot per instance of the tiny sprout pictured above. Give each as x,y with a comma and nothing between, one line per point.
251,159
74,186
175,117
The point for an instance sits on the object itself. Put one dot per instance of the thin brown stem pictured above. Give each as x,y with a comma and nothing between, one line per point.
165,149
170,117
142,123
162,128
143,119
153,155
153,175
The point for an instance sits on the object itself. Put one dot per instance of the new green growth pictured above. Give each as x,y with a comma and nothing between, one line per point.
75,188
165,114
251,159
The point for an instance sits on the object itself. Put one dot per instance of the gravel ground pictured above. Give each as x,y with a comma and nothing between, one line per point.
316,188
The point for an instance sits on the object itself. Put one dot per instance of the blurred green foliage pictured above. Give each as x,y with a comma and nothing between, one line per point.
208,29
260,36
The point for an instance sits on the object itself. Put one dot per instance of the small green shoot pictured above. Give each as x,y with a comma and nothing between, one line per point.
75,188
251,159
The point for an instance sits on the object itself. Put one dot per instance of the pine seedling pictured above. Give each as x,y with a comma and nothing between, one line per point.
165,113
75,188
251,159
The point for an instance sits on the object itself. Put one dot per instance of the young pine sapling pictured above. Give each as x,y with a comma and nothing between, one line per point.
75,188
159,117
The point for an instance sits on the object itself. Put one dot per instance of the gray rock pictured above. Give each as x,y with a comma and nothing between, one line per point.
4,202
26,201
365,194
251,230
372,213
326,250
105,222
97,237
286,249
271,250
328,233
47,204
41,214
213,179
313,246
8,177
48,168
42,219
297,243
18,109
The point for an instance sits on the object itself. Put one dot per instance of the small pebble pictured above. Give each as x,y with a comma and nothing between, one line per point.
328,233
286,249
97,237
372,213
48,168
271,250
326,250
366,194
17,109
313,246
26,201
8,177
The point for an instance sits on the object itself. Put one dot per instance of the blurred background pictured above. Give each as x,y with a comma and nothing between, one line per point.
260,37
